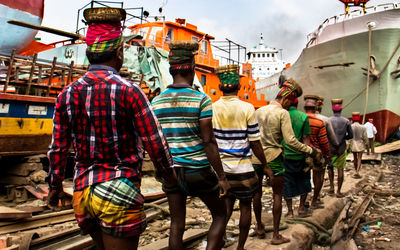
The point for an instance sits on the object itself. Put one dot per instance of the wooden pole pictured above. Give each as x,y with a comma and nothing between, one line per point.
28,89
53,65
9,71
69,77
368,72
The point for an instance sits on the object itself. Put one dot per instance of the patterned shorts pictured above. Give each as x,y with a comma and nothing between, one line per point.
116,206
243,185
194,182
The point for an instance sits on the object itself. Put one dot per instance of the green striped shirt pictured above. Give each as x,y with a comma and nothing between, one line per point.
179,111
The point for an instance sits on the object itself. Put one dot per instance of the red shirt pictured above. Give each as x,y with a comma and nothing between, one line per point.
104,116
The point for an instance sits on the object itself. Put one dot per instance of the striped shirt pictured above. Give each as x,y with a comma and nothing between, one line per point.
179,111
318,137
104,116
235,126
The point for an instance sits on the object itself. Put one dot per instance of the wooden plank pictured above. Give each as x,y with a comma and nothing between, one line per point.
11,213
189,235
389,147
50,219
28,98
366,157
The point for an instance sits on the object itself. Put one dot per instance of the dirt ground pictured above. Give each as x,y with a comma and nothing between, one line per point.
382,219
199,217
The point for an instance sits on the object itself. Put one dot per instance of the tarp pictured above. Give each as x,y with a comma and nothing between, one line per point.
153,63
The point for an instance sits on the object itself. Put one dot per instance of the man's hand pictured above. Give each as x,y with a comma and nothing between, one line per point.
54,197
316,154
272,180
224,187
171,180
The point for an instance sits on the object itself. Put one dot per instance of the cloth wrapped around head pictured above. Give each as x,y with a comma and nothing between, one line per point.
320,101
105,30
181,54
311,101
290,89
228,75
337,104
355,116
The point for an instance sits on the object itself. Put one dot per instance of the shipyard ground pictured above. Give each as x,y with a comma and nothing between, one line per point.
368,219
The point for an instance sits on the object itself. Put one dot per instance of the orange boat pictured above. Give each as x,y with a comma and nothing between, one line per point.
159,34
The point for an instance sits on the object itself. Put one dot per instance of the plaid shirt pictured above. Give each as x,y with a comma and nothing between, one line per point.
105,116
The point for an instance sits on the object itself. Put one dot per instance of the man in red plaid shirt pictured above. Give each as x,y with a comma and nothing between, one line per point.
105,116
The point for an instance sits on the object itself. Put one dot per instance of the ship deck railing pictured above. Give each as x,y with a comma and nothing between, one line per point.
352,14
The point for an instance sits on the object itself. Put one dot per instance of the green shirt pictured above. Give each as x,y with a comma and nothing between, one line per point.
300,127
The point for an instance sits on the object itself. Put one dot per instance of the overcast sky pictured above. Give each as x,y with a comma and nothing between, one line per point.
284,23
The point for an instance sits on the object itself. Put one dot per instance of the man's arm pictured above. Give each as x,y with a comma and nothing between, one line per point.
349,134
61,142
211,149
323,142
150,132
331,134
289,137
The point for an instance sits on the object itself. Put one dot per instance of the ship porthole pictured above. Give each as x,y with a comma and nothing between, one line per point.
213,92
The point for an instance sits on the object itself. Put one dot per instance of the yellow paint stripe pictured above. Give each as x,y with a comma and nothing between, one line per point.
25,126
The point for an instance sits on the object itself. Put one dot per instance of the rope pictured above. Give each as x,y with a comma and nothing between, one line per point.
384,68
323,237
368,72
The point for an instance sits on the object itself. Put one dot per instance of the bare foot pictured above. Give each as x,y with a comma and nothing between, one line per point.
260,231
316,205
339,195
289,215
279,240
331,191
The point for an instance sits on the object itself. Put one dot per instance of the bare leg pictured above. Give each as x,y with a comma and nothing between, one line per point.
111,242
331,175
302,207
177,207
318,181
260,228
244,224
355,161
218,212
359,162
277,210
289,203
340,182
98,239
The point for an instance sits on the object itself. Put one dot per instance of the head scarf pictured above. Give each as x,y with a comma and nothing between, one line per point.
181,54
101,37
287,90
356,116
228,75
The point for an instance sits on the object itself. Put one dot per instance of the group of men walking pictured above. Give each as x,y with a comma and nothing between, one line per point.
218,152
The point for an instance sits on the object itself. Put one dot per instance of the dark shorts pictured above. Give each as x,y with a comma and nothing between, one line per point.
115,206
297,181
243,185
194,182
277,165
